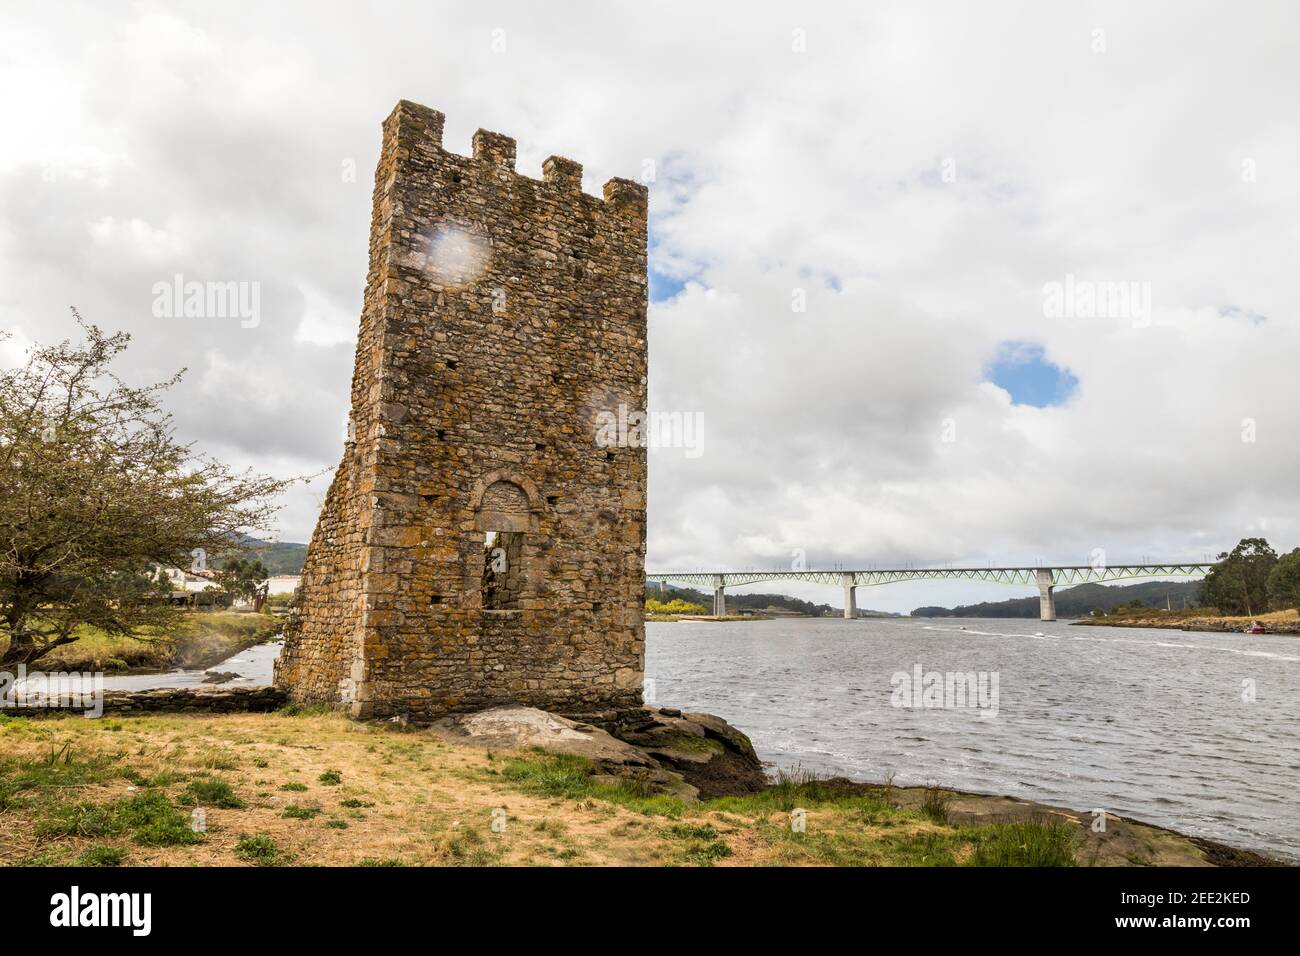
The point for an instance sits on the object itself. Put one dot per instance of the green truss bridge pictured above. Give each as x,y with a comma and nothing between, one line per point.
1046,578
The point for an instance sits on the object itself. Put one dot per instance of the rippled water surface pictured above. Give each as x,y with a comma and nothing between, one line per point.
1151,724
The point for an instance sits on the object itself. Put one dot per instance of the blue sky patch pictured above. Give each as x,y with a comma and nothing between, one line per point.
1028,377
667,275
664,287
1235,312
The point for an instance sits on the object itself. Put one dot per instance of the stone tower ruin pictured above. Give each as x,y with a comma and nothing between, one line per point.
478,544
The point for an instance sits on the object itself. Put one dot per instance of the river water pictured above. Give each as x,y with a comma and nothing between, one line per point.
253,665
1153,724
1194,731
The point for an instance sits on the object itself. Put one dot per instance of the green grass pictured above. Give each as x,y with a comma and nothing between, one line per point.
467,848
211,792
303,710
703,846
804,789
102,856
693,831
163,778
841,845
260,850
934,805
59,768
1025,844
295,812
293,786
843,841
706,854
331,778
149,817
570,777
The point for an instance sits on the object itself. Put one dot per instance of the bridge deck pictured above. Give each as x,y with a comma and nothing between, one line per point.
1062,574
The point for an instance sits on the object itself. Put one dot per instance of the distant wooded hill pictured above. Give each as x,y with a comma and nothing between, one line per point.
756,602
278,557
1080,600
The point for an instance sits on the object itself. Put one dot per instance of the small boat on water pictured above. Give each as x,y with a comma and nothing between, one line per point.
1255,628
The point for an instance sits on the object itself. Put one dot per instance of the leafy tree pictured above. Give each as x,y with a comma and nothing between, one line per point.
1284,582
94,491
244,580
1238,584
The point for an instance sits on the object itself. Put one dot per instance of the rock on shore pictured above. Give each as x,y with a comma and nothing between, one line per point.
692,756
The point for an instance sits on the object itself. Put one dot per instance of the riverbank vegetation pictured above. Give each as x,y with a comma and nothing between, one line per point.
1249,584
736,600
307,788
1251,579
193,640
674,607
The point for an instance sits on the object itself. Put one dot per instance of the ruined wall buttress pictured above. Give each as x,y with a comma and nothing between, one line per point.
503,315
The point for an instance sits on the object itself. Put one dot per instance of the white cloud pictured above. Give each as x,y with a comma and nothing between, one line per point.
198,148
145,241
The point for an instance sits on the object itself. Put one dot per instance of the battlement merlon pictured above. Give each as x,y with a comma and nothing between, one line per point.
418,123
413,126
494,149
629,196
563,173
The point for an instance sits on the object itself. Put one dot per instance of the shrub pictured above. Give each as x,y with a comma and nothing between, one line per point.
260,850
211,792
295,812
101,856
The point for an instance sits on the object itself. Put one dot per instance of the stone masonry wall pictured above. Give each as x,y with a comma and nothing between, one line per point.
502,315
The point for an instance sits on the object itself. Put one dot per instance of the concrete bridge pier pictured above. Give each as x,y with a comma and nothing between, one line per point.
1046,603
719,597
850,597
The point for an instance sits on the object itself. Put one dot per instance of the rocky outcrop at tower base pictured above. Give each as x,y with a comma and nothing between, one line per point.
692,756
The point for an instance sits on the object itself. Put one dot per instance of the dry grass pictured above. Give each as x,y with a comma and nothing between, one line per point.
319,789
404,797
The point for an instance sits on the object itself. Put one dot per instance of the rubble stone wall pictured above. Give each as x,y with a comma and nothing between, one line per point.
503,315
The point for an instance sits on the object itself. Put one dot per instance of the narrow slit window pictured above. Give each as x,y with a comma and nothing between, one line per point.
503,575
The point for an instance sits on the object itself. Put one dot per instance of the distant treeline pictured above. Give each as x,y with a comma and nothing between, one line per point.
1250,579
1081,600
736,601
278,557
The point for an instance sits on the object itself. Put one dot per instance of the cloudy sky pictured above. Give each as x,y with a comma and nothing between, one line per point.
859,216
